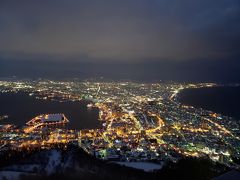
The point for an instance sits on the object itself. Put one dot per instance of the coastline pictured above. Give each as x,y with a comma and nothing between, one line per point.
204,98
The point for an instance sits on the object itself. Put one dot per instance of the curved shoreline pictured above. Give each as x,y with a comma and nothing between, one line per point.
21,108
218,99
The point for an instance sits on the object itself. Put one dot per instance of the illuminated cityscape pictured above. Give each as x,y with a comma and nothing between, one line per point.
140,122
120,89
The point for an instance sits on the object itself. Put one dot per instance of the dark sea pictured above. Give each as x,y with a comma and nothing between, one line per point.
224,99
20,107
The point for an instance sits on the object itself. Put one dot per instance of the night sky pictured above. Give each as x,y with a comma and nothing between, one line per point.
145,40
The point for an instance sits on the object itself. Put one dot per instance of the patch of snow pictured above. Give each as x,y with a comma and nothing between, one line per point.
54,162
146,166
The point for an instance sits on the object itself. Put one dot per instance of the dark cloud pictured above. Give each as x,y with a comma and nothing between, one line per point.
109,30
147,71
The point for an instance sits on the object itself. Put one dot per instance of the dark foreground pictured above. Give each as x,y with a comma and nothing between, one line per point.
73,163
